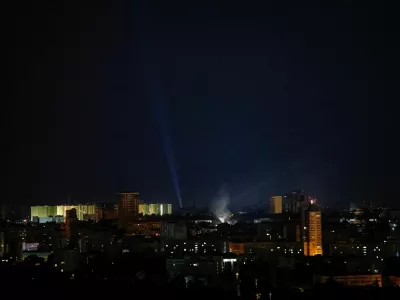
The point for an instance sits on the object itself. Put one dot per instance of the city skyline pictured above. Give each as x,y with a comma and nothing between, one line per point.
199,150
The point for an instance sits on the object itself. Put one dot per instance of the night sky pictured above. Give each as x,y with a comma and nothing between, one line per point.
254,100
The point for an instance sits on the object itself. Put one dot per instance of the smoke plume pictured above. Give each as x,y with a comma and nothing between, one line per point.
220,205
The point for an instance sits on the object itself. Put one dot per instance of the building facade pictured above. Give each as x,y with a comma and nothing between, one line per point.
128,208
313,232
158,209
83,211
106,211
173,231
276,204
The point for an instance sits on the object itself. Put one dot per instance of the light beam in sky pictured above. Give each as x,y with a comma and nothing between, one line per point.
161,115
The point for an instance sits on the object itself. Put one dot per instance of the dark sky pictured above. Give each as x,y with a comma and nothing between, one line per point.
258,100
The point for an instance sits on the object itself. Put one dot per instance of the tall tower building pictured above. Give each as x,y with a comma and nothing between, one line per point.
313,232
276,204
297,203
70,220
128,208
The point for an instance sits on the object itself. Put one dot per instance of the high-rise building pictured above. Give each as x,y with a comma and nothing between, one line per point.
44,211
128,208
313,232
165,209
83,211
276,204
297,203
70,220
158,209
106,211
143,209
153,209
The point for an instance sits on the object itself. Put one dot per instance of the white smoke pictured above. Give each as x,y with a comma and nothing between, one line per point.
220,206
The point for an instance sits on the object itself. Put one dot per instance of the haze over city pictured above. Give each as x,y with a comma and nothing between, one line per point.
169,150
168,102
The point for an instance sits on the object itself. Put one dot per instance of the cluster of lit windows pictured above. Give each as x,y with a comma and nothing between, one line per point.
198,248
288,250
360,250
